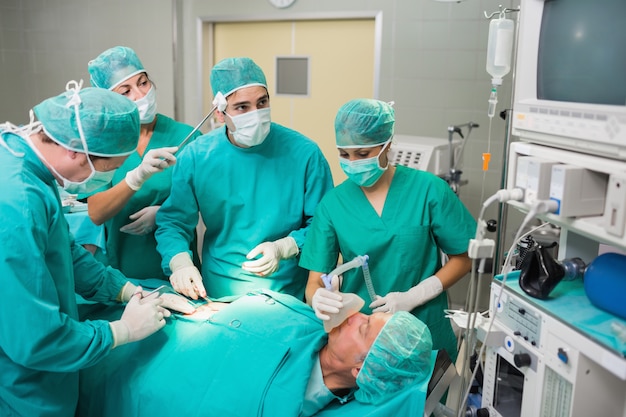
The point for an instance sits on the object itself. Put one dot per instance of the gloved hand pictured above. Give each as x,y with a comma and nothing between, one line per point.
326,301
169,300
144,221
273,253
407,301
155,160
178,303
141,318
185,278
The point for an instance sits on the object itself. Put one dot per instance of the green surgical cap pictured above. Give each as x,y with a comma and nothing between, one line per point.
364,122
109,121
232,74
399,357
114,66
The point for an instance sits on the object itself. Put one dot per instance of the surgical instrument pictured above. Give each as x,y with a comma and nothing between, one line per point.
195,129
219,103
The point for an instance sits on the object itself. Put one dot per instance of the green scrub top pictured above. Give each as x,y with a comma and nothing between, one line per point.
421,216
137,256
43,345
246,196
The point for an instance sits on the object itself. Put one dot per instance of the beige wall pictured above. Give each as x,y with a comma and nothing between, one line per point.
339,71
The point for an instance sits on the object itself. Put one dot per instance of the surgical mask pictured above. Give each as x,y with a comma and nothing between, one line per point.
95,181
251,128
147,106
364,172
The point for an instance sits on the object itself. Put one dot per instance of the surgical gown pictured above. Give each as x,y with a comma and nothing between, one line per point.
136,255
420,217
42,343
245,196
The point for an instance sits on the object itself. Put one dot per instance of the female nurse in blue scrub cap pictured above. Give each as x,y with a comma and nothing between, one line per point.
142,183
400,217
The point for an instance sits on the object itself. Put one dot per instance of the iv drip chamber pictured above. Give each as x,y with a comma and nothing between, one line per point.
499,48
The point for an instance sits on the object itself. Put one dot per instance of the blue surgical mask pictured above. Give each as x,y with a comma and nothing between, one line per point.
94,182
251,128
364,172
147,106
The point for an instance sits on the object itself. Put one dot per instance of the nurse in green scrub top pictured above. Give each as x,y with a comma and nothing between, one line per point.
129,205
400,217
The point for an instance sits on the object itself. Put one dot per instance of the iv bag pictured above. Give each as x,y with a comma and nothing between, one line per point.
499,47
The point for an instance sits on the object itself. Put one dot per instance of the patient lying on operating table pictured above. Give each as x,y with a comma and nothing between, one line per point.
265,354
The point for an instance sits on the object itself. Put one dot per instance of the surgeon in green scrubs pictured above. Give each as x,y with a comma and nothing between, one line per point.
79,138
400,217
256,185
128,206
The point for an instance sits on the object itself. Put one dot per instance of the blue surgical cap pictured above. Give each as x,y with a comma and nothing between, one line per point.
399,357
364,122
232,74
114,66
109,121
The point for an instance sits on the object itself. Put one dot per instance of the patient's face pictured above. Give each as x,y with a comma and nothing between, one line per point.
355,336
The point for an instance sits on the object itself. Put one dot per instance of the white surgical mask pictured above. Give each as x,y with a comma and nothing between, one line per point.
251,128
147,106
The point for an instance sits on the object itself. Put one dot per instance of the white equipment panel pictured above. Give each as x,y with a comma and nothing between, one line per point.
424,153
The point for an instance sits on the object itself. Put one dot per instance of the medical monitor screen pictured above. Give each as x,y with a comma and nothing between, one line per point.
582,52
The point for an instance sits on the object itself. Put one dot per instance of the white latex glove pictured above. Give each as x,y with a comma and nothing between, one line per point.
177,303
144,221
169,300
155,160
407,301
141,318
185,278
326,301
273,253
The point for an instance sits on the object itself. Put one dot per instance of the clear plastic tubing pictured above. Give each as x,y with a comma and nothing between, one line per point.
493,100
368,280
356,262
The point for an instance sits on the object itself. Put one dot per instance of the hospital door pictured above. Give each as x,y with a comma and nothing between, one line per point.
341,60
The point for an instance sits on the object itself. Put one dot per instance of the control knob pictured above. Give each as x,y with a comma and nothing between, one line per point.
521,359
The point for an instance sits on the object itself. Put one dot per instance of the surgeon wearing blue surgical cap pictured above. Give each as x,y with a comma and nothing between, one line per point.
128,205
402,218
255,184
76,141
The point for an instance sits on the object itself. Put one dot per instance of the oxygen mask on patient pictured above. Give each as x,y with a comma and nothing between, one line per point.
352,303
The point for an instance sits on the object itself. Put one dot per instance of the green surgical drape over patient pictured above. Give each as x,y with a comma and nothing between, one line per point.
253,358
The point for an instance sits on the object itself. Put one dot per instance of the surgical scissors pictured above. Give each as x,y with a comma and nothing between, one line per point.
163,289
